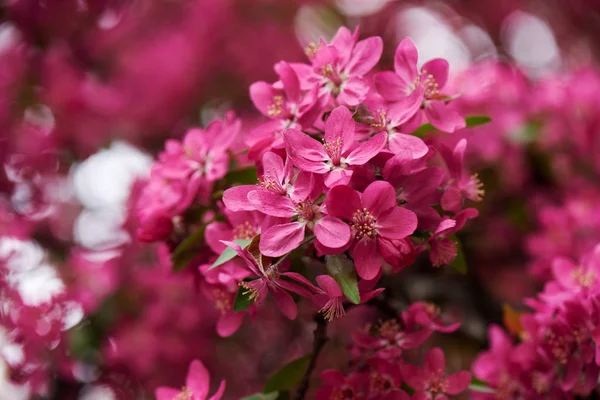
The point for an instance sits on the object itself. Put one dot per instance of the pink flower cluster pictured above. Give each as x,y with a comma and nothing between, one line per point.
379,368
340,176
558,350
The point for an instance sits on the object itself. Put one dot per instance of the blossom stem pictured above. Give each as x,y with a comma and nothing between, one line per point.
320,338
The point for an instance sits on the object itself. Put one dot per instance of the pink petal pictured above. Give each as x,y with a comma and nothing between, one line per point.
338,176
214,233
262,94
404,111
329,285
344,41
165,393
219,393
438,68
424,396
305,74
572,373
562,268
198,379
397,253
300,279
340,125
353,91
281,239
397,168
378,197
364,151
435,361
415,145
236,198
390,86
306,153
458,382
414,377
397,223
273,166
273,204
229,323
451,199
443,117
405,61
285,303
365,56
366,258
332,232
291,84
342,202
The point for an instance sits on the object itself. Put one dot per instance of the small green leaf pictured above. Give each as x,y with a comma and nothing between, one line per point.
229,253
245,176
242,300
184,253
342,270
288,376
262,396
459,263
478,385
420,132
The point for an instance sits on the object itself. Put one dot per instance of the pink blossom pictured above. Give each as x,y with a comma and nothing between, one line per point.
419,91
338,68
443,249
330,298
337,153
427,315
431,382
374,218
196,386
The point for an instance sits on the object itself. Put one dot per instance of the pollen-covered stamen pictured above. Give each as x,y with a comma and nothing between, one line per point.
223,300
438,382
431,309
276,108
559,347
334,308
379,119
363,224
185,394
311,50
473,189
584,279
430,85
270,182
389,328
253,292
307,211
334,150
244,231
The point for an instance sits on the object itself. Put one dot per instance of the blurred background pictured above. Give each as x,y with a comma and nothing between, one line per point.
91,89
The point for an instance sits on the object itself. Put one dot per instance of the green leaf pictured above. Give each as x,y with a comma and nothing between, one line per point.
184,253
262,396
480,386
476,120
459,263
229,253
242,300
288,376
245,176
342,270
472,121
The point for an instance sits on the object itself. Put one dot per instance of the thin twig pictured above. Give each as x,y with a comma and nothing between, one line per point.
320,338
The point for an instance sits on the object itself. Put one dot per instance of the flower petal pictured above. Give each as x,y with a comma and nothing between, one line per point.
438,68
273,166
443,117
281,239
353,91
415,145
236,198
366,258
273,204
285,303
219,393
229,323
214,233
390,86
262,94
364,151
198,379
305,152
365,56
378,198
405,61
329,285
458,382
332,232
435,361
291,84
342,202
340,125
397,223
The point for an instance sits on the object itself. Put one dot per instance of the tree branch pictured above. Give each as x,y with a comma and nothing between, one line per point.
320,338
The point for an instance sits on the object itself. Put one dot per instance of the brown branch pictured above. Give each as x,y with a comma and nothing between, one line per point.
320,338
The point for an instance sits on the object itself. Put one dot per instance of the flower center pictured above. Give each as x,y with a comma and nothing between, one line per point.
185,394
334,150
363,224
584,279
276,108
437,382
269,182
223,301
473,189
306,211
311,50
244,231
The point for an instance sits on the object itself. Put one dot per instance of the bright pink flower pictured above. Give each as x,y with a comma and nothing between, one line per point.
431,382
337,153
240,225
427,315
373,217
460,184
583,277
443,250
196,386
339,68
419,91
269,279
330,298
